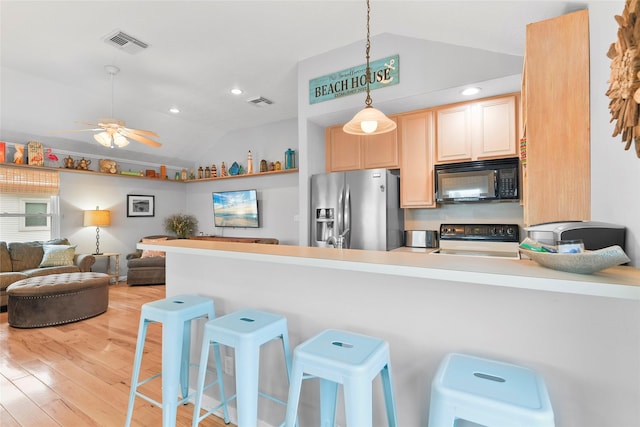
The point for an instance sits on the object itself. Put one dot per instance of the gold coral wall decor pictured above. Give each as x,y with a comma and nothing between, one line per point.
624,81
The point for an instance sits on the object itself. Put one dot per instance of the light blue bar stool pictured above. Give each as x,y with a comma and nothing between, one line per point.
488,392
175,314
246,331
353,360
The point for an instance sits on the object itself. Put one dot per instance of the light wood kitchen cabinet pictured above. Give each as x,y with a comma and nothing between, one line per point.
342,151
416,135
351,152
477,130
556,102
454,134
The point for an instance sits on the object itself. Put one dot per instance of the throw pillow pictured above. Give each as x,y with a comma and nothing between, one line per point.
57,255
146,253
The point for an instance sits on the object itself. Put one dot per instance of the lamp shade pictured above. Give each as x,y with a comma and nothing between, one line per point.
103,138
369,121
97,218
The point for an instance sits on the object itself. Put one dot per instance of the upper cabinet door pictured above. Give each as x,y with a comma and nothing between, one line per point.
494,128
557,179
477,130
415,132
454,134
381,151
343,151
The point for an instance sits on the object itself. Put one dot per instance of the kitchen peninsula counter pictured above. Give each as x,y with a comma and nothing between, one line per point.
616,282
581,332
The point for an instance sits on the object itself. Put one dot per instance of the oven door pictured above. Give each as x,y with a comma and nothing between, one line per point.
460,186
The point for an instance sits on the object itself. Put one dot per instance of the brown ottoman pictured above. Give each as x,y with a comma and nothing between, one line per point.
57,298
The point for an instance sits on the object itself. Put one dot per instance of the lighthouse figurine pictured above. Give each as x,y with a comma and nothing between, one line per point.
249,163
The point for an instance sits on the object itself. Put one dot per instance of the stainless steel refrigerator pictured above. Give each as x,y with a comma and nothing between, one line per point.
357,210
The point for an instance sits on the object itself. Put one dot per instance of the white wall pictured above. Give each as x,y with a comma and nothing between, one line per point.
277,194
79,192
615,173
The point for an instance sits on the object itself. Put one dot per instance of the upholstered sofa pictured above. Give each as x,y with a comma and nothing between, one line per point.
147,267
20,260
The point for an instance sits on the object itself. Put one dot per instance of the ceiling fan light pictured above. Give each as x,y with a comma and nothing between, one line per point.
103,138
369,121
120,140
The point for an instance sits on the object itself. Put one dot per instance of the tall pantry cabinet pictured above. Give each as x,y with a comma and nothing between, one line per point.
555,97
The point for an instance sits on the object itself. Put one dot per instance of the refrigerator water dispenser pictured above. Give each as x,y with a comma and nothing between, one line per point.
324,223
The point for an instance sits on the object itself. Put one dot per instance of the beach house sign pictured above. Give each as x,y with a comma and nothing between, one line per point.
384,72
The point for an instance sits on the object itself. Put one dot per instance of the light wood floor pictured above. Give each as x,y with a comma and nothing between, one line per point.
79,374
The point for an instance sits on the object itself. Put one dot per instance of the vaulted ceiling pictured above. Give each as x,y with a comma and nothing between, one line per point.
53,53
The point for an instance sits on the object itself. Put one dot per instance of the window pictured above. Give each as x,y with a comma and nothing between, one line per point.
29,204
37,215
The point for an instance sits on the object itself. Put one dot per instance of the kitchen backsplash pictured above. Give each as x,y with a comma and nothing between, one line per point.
477,213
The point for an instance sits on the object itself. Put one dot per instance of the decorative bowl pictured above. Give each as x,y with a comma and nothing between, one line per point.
587,262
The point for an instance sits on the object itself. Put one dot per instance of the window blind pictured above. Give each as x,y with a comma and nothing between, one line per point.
29,181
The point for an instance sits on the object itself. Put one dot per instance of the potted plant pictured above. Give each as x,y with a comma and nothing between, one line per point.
182,225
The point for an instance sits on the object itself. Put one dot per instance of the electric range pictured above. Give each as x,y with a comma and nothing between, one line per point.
487,240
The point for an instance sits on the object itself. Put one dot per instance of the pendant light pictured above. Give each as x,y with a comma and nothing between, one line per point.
369,121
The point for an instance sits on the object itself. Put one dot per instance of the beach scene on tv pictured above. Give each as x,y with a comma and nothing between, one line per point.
235,209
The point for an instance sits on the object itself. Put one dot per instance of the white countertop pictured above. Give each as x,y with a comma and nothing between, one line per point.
617,282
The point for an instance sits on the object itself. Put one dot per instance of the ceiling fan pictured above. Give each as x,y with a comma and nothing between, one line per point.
112,132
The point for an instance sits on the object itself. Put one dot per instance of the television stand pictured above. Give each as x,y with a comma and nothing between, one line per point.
263,240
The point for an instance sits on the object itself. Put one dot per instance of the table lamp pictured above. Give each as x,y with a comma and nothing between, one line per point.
97,218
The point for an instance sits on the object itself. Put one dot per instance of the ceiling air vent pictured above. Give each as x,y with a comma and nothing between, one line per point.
125,42
260,101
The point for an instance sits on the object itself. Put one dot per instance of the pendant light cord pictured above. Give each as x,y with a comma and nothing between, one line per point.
368,101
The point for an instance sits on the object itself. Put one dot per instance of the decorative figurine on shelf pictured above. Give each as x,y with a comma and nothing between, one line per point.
51,157
83,164
263,166
278,165
207,172
183,175
200,173
272,167
249,163
18,156
214,171
223,170
69,162
191,174
289,159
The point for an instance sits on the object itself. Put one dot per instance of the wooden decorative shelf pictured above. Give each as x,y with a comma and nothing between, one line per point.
246,175
62,169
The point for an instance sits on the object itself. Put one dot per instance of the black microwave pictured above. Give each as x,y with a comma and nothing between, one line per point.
479,181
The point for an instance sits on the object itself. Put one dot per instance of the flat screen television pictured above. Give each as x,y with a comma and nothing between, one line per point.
236,209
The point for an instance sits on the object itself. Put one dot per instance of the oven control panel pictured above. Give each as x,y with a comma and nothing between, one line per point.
482,232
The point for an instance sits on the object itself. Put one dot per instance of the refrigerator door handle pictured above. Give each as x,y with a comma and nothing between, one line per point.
347,218
340,214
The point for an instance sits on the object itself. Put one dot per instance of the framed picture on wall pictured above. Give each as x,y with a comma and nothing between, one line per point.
138,205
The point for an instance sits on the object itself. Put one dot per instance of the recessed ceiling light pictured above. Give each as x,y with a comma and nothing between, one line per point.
236,91
470,91
174,110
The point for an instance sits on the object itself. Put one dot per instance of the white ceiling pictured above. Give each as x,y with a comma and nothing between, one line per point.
53,57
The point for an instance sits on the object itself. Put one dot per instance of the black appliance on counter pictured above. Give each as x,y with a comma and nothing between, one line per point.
479,181
595,235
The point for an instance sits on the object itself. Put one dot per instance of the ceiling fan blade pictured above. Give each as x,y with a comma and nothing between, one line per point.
90,124
139,138
75,130
142,132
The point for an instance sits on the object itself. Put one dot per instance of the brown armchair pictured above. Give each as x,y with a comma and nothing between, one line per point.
146,267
